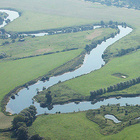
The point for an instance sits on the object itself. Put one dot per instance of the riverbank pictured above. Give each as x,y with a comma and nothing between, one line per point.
85,12
83,85
31,68
63,92
8,64
68,67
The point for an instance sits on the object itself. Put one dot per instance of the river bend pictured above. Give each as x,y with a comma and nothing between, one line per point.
92,61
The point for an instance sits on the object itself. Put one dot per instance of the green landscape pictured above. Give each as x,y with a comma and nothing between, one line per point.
81,127
26,59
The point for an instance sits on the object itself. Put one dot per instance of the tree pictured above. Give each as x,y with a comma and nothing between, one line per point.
110,22
126,112
49,98
13,40
22,133
16,120
87,48
29,114
102,23
93,94
19,124
35,137
43,88
130,122
3,31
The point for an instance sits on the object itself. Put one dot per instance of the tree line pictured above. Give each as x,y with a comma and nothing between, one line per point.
117,87
121,52
135,4
21,122
110,24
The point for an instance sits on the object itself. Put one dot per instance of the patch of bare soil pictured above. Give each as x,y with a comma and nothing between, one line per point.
43,50
96,33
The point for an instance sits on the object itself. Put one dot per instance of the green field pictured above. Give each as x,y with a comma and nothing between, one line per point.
5,121
6,136
80,87
75,12
52,43
65,126
43,21
76,126
76,9
125,116
46,14
18,72
24,70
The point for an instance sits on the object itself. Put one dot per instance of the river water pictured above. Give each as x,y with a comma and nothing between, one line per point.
92,61
12,15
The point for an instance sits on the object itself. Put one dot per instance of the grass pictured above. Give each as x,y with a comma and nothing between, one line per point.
65,126
51,11
80,87
130,41
18,72
52,43
126,115
22,71
5,121
6,136
76,126
74,9
128,64
74,12
43,21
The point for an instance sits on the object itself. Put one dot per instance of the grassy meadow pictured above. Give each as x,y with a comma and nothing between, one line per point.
80,87
52,43
65,126
125,116
43,21
18,72
5,121
53,14
46,14
75,9
6,136
76,126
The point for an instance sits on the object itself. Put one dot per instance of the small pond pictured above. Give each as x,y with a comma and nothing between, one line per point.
113,118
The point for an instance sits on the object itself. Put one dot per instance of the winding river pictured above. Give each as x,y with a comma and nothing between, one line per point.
92,61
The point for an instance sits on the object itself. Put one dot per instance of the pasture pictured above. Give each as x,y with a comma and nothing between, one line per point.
76,126
52,43
46,14
18,72
80,87
5,121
